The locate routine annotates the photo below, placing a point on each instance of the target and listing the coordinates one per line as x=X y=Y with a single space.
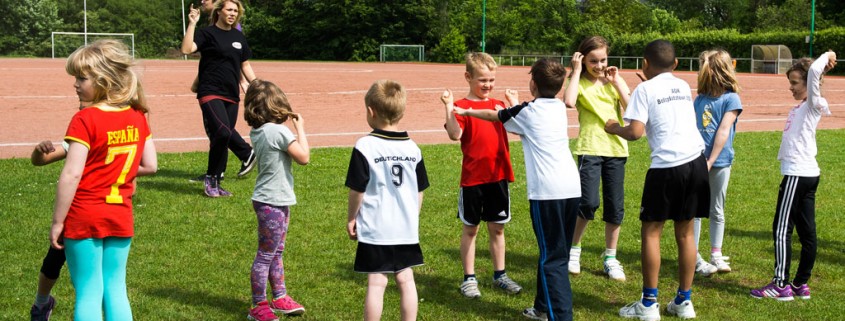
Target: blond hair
x=218 y=5
x=716 y=74
x=476 y=60
x=264 y=102
x=387 y=99
x=108 y=64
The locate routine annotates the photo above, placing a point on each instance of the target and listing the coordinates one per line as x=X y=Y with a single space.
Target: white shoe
x=574 y=261
x=614 y=270
x=683 y=310
x=640 y=311
x=721 y=263
x=469 y=288
x=705 y=269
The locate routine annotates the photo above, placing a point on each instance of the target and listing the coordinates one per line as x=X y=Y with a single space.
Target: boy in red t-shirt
x=485 y=173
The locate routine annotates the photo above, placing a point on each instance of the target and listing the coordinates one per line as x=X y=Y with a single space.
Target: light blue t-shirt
x=274 y=183
x=709 y=112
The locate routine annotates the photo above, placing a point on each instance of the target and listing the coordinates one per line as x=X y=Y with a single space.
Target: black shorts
x=677 y=193
x=485 y=202
x=371 y=258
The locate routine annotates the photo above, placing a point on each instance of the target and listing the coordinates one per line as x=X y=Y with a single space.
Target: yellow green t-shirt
x=596 y=104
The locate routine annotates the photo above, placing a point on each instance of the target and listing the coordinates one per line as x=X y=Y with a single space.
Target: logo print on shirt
x=790 y=117
x=237 y=45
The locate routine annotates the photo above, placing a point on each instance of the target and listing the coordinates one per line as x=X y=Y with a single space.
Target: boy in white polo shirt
x=676 y=185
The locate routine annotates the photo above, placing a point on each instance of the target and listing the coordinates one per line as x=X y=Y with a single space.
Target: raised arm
x=188 y=45
x=621 y=87
x=452 y=127
x=486 y=114
x=823 y=64
x=299 y=150
x=570 y=95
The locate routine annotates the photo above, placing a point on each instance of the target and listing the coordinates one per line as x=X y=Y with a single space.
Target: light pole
x=184 y=57
x=484 y=25
x=812 y=26
x=85 y=23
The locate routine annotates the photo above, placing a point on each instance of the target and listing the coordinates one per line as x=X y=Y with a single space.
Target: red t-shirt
x=487 y=157
x=102 y=205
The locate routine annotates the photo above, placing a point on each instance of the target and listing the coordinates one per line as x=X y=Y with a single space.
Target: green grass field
x=191 y=255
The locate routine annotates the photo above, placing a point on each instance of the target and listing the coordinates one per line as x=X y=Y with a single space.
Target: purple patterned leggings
x=272 y=231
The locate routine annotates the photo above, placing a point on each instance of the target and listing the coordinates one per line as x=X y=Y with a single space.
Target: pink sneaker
x=287 y=306
x=262 y=312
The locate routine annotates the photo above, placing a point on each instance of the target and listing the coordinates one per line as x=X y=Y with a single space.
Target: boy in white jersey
x=676 y=185
x=386 y=179
x=796 y=207
x=554 y=188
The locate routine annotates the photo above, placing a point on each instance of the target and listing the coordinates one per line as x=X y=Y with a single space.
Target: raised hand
x=612 y=73
x=576 y=62
x=512 y=97
x=194 y=14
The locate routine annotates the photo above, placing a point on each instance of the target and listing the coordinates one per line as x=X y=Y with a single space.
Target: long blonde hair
x=108 y=64
x=265 y=102
x=717 y=74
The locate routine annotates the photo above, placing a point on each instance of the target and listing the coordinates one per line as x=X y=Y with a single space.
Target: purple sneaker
x=222 y=192
x=772 y=291
x=42 y=313
x=211 y=186
x=802 y=291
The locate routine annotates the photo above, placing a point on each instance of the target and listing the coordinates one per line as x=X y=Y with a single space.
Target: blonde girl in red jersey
x=109 y=145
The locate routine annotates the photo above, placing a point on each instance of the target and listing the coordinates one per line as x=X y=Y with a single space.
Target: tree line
x=347 y=30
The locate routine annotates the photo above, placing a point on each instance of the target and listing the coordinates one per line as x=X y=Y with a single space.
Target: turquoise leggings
x=98 y=272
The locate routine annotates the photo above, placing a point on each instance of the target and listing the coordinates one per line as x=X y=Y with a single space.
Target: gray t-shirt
x=274 y=184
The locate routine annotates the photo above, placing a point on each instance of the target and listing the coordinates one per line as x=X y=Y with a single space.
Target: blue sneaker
x=773 y=291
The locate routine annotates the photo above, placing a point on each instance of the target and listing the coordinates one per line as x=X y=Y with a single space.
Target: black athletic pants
x=796 y=208
x=219 y=118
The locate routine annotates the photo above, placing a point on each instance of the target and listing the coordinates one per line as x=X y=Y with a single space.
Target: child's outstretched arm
x=486 y=114
x=355 y=200
x=452 y=127
x=570 y=95
x=632 y=132
x=621 y=87
x=299 y=149
x=45 y=153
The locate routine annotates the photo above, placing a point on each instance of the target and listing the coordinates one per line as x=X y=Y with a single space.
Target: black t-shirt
x=222 y=53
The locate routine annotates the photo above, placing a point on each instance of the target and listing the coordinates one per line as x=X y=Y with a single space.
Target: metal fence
x=623 y=62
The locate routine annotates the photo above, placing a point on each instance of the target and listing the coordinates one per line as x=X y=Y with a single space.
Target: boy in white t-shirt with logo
x=676 y=186
x=554 y=188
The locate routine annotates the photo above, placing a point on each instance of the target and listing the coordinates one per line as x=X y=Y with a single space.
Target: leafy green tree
x=27 y=26
x=791 y=15
x=451 y=48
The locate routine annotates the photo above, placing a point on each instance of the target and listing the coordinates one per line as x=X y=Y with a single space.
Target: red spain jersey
x=487 y=157
x=102 y=205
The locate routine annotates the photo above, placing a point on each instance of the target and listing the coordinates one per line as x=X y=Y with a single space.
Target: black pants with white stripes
x=796 y=209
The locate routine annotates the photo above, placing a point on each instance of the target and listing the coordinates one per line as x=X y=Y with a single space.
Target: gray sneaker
x=470 y=288
x=505 y=283
x=533 y=314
